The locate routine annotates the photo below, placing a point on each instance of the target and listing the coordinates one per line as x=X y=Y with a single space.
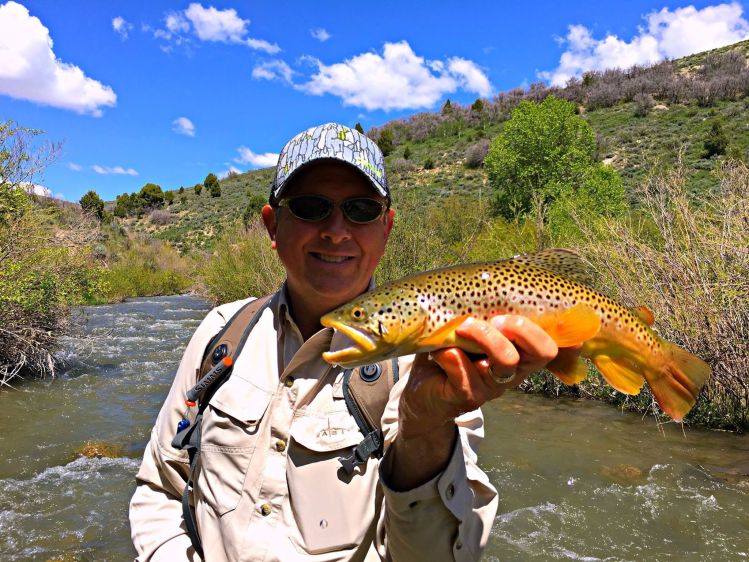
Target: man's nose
x=336 y=228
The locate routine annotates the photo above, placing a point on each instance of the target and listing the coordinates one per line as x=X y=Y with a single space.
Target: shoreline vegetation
x=670 y=232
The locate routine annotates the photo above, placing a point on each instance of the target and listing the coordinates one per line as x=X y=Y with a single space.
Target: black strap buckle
x=370 y=446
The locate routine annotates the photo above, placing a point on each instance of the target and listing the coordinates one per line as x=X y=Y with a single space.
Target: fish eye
x=358 y=313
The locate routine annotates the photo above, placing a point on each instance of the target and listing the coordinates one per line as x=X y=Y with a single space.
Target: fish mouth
x=354 y=355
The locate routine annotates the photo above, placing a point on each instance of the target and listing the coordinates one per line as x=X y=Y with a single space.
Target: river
x=578 y=480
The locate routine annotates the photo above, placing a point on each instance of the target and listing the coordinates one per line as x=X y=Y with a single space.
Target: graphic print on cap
x=332 y=141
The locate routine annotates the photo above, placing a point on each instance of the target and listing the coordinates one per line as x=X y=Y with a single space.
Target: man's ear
x=389 y=214
x=271 y=223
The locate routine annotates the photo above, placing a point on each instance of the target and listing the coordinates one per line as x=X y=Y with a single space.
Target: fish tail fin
x=571 y=327
x=678 y=382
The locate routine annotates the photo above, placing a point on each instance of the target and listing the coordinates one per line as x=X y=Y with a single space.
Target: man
x=269 y=484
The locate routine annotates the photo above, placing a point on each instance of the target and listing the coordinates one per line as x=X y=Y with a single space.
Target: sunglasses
x=315 y=208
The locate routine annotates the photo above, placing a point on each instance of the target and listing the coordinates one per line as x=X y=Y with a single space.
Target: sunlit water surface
x=578 y=480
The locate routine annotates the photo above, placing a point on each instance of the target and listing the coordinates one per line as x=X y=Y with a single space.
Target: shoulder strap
x=366 y=391
x=214 y=370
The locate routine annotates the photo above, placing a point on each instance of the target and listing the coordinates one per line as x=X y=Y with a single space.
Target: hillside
x=678 y=103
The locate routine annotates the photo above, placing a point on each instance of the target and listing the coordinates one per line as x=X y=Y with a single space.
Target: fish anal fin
x=644 y=314
x=568 y=367
x=571 y=327
x=619 y=374
x=444 y=336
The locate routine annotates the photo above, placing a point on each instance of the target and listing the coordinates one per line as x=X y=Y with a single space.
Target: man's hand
x=448 y=383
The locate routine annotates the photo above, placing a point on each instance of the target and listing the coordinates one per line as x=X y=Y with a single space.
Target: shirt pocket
x=333 y=509
x=228 y=441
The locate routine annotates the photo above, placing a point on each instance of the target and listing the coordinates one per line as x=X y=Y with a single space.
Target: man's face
x=331 y=261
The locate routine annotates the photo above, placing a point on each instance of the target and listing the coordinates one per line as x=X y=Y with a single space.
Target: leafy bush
x=716 y=142
x=242 y=265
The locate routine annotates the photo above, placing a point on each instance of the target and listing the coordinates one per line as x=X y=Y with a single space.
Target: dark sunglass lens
x=362 y=209
x=309 y=207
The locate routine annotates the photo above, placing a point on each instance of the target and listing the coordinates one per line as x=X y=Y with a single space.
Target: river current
x=578 y=480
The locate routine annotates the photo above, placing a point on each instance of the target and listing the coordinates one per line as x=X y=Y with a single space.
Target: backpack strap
x=366 y=391
x=218 y=360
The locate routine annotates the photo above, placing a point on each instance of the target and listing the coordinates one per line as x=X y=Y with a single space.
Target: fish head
x=380 y=324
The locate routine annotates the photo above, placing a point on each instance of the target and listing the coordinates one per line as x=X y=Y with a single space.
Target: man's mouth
x=328 y=258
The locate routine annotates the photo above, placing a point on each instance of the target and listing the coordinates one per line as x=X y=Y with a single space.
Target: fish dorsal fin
x=644 y=314
x=560 y=261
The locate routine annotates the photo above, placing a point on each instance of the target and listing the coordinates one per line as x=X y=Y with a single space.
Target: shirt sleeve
x=157 y=528
x=447 y=518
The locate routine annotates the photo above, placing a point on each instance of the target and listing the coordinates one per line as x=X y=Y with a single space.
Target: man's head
x=329 y=215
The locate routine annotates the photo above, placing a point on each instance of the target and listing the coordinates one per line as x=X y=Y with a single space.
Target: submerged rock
x=99 y=449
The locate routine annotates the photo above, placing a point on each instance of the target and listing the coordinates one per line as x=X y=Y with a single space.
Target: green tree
x=181 y=189
x=169 y=197
x=385 y=141
x=544 y=151
x=716 y=142
x=150 y=195
x=124 y=205
x=447 y=108
x=255 y=205
x=478 y=106
x=92 y=203
x=212 y=185
x=198 y=188
x=359 y=128
x=407 y=153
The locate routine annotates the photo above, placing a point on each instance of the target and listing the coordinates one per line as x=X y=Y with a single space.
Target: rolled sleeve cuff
x=451 y=486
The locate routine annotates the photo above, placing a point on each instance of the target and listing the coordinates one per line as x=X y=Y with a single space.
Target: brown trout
x=420 y=313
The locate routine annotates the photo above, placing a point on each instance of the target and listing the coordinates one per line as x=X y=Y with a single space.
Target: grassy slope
x=633 y=145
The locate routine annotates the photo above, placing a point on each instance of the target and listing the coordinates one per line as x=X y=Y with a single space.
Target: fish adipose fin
x=644 y=314
x=678 y=382
x=571 y=327
x=619 y=375
x=568 y=368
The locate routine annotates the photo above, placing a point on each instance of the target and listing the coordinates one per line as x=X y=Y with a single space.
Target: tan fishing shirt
x=270 y=486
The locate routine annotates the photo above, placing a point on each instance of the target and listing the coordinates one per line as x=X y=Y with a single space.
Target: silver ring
x=500 y=379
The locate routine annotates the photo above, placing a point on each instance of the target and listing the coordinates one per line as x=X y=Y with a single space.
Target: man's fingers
x=528 y=336
x=499 y=350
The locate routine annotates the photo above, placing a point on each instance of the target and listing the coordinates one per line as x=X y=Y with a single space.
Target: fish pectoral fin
x=568 y=367
x=644 y=314
x=444 y=336
x=618 y=374
x=405 y=333
x=571 y=327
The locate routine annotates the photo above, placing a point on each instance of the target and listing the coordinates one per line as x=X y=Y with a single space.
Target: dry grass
x=689 y=261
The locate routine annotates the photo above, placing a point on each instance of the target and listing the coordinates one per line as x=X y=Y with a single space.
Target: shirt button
x=280 y=445
x=289 y=382
x=450 y=492
x=265 y=509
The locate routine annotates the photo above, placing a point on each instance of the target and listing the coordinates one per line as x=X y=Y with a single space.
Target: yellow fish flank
x=420 y=313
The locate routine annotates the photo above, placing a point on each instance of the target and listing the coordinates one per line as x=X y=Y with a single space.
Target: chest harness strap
x=366 y=391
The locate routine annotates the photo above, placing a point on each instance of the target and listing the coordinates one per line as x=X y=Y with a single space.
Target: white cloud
x=183 y=126
x=75 y=167
x=247 y=156
x=209 y=24
x=30 y=70
x=114 y=170
x=667 y=34
x=121 y=26
x=231 y=169
x=273 y=70
x=41 y=190
x=321 y=34
x=397 y=79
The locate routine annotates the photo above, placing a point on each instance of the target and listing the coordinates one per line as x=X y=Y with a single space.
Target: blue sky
x=169 y=91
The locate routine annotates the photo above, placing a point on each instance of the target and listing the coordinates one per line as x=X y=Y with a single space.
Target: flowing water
x=578 y=480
